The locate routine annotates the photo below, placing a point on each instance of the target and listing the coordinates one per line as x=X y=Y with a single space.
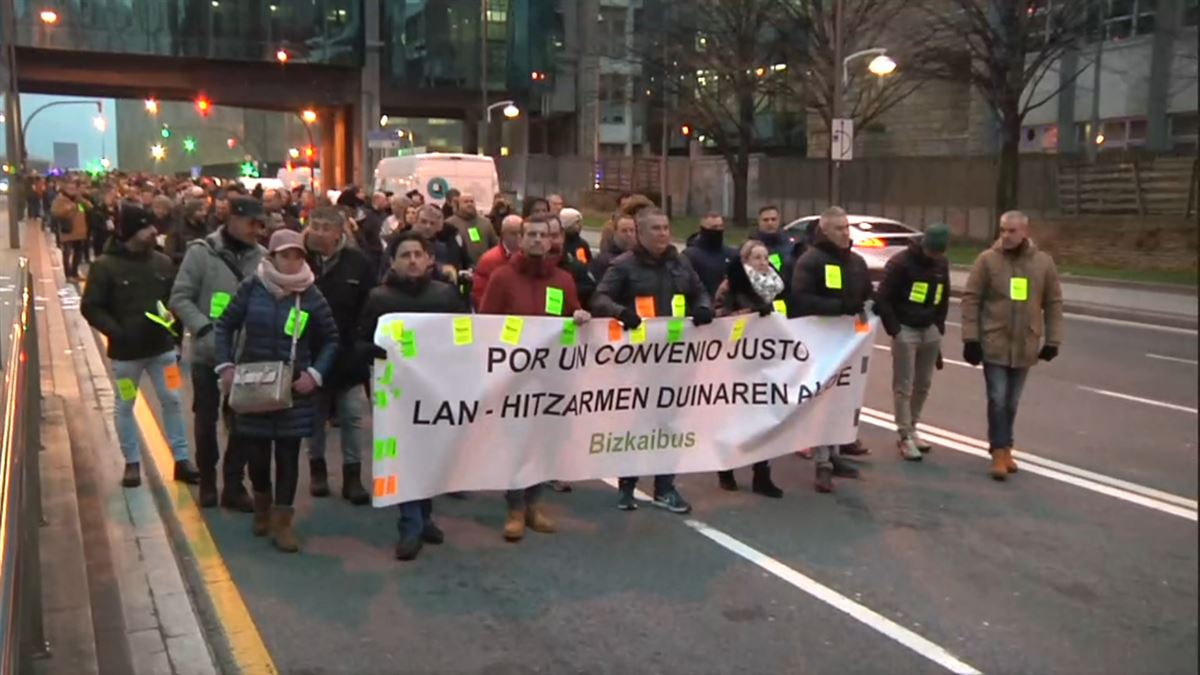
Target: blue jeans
x=1004 y=385
x=128 y=376
x=414 y=516
x=663 y=483
x=352 y=408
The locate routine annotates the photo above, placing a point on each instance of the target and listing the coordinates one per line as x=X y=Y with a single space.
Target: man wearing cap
x=212 y=269
x=125 y=299
x=912 y=301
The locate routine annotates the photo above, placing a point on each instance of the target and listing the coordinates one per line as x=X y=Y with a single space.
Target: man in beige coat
x=1011 y=318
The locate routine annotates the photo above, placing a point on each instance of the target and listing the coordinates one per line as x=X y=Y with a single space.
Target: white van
x=433 y=174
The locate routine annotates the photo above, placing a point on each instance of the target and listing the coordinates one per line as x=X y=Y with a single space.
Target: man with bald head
x=1011 y=318
x=830 y=280
x=497 y=256
x=474 y=229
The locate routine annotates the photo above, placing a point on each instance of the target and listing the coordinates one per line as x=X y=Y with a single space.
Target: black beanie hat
x=132 y=219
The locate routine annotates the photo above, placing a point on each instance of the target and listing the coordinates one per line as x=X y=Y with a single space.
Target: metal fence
x=22 y=635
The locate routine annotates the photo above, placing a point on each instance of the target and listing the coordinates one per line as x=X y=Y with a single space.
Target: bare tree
x=1004 y=49
x=725 y=62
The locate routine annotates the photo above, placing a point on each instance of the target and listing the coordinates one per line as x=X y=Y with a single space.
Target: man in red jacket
x=496 y=257
x=531 y=284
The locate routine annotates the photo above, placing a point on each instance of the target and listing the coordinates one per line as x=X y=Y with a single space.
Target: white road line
x=864 y=615
x=1138 y=399
x=1133 y=324
x=1061 y=476
x=1052 y=464
x=1176 y=359
x=825 y=594
x=952 y=362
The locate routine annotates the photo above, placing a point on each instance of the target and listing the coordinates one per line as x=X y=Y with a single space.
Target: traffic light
x=189 y=144
x=249 y=170
x=538 y=76
x=231 y=143
x=203 y=106
x=165 y=132
x=310 y=154
x=686 y=130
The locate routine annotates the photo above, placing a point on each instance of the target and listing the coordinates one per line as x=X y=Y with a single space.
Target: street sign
x=386 y=140
x=842 y=140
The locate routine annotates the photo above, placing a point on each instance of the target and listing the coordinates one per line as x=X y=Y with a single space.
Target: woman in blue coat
x=261 y=319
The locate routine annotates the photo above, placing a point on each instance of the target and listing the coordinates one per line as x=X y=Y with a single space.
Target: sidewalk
x=115 y=599
x=1143 y=303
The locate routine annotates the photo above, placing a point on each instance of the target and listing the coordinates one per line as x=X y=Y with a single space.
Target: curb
x=1151 y=319
x=1101 y=282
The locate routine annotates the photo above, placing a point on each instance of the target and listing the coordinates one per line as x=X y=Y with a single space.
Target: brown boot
x=999 y=470
x=281 y=529
x=537 y=520
x=262 y=513
x=1009 y=462
x=514 y=527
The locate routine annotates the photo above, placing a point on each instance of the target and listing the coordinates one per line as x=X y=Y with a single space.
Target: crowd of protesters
x=251 y=276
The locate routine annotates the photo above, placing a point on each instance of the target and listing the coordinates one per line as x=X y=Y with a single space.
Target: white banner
x=477 y=402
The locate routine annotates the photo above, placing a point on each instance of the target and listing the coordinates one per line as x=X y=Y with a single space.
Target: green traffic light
x=166 y=133
x=189 y=144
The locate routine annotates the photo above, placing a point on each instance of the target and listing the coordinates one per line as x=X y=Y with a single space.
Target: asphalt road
x=1035 y=575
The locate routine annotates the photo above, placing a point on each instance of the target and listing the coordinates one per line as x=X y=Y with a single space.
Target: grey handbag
x=264 y=386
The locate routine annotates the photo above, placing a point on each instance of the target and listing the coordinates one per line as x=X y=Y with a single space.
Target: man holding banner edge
x=651 y=280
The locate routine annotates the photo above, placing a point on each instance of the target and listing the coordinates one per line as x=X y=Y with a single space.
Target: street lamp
x=383 y=120
x=510 y=110
x=308 y=116
x=151 y=106
x=881 y=65
x=158 y=152
x=48 y=16
x=99 y=122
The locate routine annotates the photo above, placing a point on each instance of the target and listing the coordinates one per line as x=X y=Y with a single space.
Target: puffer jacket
x=578 y=247
x=915 y=291
x=818 y=289
x=260 y=319
x=637 y=274
x=204 y=272
x=1012 y=331
x=345 y=279
x=585 y=282
x=122 y=286
x=710 y=257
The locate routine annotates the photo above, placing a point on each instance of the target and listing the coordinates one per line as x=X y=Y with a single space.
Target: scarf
x=281 y=285
x=768 y=286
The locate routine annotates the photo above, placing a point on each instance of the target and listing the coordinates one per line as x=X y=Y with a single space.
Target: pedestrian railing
x=22 y=636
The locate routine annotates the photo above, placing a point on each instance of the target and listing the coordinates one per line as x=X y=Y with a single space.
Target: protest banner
x=478 y=402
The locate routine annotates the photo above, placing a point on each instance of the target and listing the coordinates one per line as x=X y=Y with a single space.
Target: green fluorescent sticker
x=127 y=388
x=554 y=301
x=678 y=305
x=675 y=330
x=473 y=233
x=570 y=333
x=219 y=303
x=919 y=292
x=776 y=261
x=408 y=345
x=294 y=324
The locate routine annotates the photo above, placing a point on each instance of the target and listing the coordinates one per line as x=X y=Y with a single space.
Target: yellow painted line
x=249 y=652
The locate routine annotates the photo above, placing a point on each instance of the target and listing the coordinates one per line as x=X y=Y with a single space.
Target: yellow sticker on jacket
x=780 y=306
x=833 y=277
x=678 y=305
x=1018 y=289
x=937 y=295
x=919 y=292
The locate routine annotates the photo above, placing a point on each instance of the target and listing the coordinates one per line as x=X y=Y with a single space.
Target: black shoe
x=626 y=502
x=318 y=478
x=352 y=489
x=763 y=485
x=726 y=480
x=855 y=449
x=673 y=502
x=824 y=480
x=408 y=548
x=235 y=498
x=842 y=469
x=207 y=495
x=432 y=534
x=133 y=475
x=186 y=472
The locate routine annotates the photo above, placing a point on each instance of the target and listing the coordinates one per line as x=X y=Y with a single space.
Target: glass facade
x=316 y=31
x=439 y=43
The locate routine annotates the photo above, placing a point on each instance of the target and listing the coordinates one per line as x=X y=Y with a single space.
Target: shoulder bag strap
x=295 y=331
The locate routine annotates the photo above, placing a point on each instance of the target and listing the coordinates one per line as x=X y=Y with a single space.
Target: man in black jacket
x=585 y=283
x=830 y=280
x=781 y=248
x=652 y=280
x=344 y=276
x=708 y=253
x=125 y=299
x=624 y=238
x=912 y=301
x=409 y=288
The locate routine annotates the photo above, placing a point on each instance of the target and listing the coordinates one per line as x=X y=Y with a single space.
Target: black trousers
x=287 y=466
x=73 y=255
x=206 y=405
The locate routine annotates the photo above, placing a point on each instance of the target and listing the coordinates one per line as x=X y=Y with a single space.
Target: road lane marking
x=864 y=615
x=1052 y=464
x=952 y=362
x=1176 y=359
x=1055 y=474
x=1138 y=399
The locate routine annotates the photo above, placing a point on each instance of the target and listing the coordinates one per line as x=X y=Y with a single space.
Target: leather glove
x=378 y=353
x=973 y=352
x=939 y=364
x=852 y=307
x=766 y=310
x=629 y=319
x=1048 y=353
x=702 y=316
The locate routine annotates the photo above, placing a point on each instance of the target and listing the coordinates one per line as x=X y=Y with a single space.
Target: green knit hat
x=937 y=238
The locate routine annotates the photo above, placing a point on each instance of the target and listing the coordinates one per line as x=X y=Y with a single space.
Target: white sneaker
x=921 y=444
x=908 y=450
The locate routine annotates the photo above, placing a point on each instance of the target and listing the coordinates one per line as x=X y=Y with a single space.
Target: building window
x=1185 y=130
x=1126 y=18
x=612 y=31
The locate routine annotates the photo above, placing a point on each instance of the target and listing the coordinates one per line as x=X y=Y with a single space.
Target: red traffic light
x=309 y=152
x=281 y=56
x=538 y=76
x=203 y=106
x=231 y=143
x=686 y=130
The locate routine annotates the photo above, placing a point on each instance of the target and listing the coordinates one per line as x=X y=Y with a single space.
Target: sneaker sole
x=623 y=507
x=672 y=509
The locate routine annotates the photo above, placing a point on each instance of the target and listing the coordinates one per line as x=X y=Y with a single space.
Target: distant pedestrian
x=708 y=253
x=474 y=230
x=1012 y=316
x=497 y=257
x=575 y=243
x=912 y=302
x=782 y=248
